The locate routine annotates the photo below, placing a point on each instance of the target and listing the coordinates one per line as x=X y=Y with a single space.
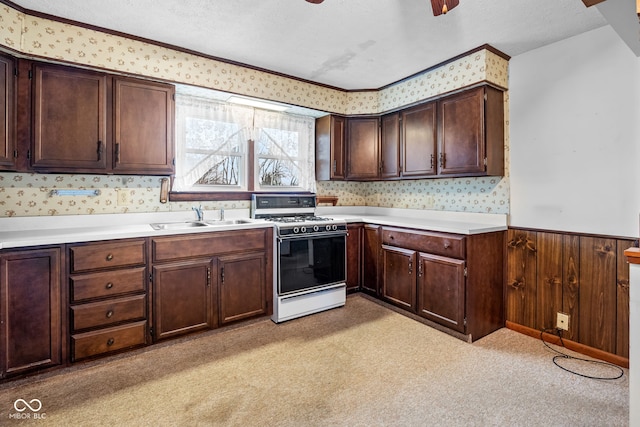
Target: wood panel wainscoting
x=583 y=275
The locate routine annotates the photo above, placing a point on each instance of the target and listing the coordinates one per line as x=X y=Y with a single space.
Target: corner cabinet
x=87 y=121
x=31 y=313
x=8 y=108
x=450 y=279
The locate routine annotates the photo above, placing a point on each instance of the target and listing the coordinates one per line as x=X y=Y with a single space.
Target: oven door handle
x=307 y=236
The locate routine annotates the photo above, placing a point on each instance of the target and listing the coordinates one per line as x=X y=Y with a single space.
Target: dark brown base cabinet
x=31 y=313
x=201 y=281
x=354 y=237
x=107 y=297
x=182 y=297
x=450 y=279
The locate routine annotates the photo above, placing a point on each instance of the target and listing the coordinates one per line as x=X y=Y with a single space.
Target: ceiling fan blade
x=315 y=1
x=439 y=6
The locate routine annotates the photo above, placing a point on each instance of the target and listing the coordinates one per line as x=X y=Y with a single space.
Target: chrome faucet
x=199 y=212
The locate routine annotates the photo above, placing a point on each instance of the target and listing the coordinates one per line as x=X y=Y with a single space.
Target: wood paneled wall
x=584 y=276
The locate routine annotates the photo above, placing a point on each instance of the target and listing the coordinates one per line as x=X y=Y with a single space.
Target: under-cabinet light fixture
x=256 y=103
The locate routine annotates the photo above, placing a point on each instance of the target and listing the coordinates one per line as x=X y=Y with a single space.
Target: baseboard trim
x=571 y=345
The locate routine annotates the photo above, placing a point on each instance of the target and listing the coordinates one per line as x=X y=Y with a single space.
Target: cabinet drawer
x=208 y=244
x=449 y=245
x=108 y=312
x=106 y=255
x=108 y=283
x=107 y=340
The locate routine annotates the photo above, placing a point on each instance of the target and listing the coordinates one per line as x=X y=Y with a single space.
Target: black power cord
x=560 y=355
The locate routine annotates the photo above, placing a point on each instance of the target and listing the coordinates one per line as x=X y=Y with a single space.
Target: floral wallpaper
x=24 y=194
x=482 y=195
x=44 y=38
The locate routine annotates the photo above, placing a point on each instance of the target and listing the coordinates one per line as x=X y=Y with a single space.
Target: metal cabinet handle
x=432 y=161
x=110 y=342
x=109 y=314
x=410 y=267
x=109 y=285
x=99 y=150
x=109 y=257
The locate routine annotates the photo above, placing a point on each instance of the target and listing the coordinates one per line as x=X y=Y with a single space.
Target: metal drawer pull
x=109 y=285
x=109 y=257
x=447 y=245
x=109 y=314
x=110 y=342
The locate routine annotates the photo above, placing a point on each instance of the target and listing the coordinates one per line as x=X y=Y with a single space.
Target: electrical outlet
x=124 y=197
x=562 y=321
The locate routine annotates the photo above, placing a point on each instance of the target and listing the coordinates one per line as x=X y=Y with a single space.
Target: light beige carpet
x=361 y=365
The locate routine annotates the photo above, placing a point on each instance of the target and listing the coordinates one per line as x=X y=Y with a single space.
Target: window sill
x=219 y=196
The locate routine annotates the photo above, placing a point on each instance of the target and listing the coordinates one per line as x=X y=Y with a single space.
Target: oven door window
x=311 y=262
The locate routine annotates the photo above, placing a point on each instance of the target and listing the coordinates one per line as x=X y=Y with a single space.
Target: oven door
x=309 y=262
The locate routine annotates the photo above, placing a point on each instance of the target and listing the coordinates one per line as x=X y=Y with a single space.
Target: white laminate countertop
x=442 y=221
x=50 y=230
x=19 y=232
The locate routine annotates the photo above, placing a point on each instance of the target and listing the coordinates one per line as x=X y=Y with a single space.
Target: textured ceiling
x=348 y=44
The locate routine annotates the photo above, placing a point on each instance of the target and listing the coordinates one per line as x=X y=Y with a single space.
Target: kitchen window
x=226 y=148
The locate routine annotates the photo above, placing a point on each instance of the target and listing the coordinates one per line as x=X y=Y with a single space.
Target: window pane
x=278 y=142
x=212 y=135
x=278 y=172
x=225 y=171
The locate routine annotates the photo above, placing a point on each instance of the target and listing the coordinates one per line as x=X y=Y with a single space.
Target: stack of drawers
x=108 y=297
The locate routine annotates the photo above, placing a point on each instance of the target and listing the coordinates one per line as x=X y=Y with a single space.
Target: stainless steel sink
x=178 y=225
x=228 y=222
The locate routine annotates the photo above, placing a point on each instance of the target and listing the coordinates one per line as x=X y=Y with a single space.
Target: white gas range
x=311 y=255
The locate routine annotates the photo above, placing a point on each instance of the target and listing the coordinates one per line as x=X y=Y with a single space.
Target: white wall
x=575 y=136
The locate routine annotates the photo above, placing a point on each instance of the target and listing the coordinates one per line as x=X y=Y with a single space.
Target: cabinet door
x=370 y=258
x=353 y=256
x=242 y=287
x=7 y=112
x=419 y=141
x=462 y=143
x=330 y=137
x=69 y=124
x=182 y=297
x=441 y=286
x=390 y=146
x=363 y=151
x=143 y=136
x=30 y=311
x=399 y=276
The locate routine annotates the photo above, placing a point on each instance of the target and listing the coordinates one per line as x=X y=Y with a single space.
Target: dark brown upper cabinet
x=330 y=150
x=363 y=149
x=91 y=122
x=419 y=141
x=143 y=127
x=8 y=112
x=69 y=119
x=457 y=135
x=471 y=133
x=390 y=146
